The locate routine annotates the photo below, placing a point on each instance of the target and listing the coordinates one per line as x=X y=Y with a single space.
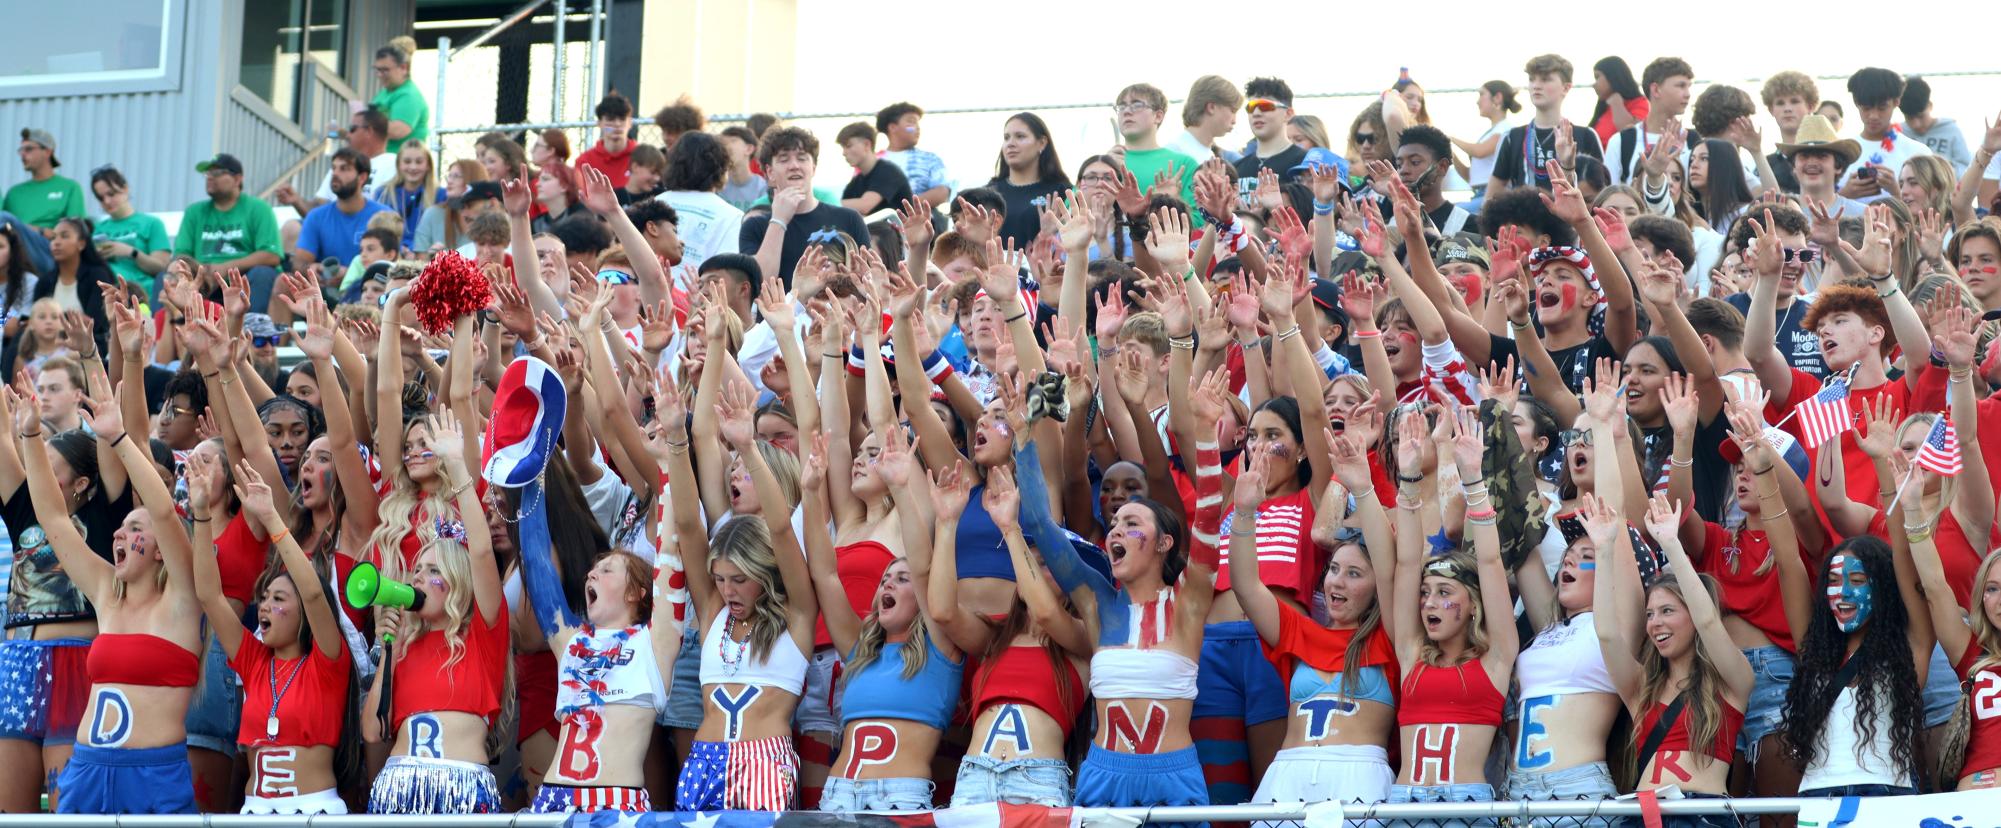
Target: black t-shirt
x=1799 y=346
x=1711 y=476
x=1575 y=363
x=1782 y=172
x=822 y=217
x=1514 y=158
x=627 y=198
x=1282 y=163
x=884 y=179
x=1024 y=205
x=38 y=591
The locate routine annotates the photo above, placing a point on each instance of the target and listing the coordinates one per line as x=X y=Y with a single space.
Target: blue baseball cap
x=1322 y=157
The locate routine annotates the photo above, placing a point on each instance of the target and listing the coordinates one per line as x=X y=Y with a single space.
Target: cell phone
x=1867 y=173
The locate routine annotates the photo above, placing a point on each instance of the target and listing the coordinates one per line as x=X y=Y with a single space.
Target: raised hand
x=1111 y=312
x=80 y=332
x=252 y=492
x=1766 y=261
x=1210 y=400
x=949 y=491
x=1604 y=393
x=1351 y=462
x=105 y=418
x=734 y=407
x=1365 y=421
x=319 y=339
x=1002 y=500
x=1931 y=235
x=1601 y=522
x=201 y=477
x=1612 y=226
x=1566 y=148
x=1468 y=442
x=1269 y=196
x=1498 y=383
x=1564 y=200
x=813 y=463
x=1076 y=224
x=1681 y=403
x=1359 y=297
x=1168 y=239
x=1127 y=194
x=1325 y=180
x=1663 y=518
x=914 y=219
x=896 y=463
x=448 y=441
x=1294 y=240
x=1878 y=438
x=1250 y=488
x=600 y=196
x=1414 y=446
x=1955 y=332
x=1131 y=376
x=515 y=198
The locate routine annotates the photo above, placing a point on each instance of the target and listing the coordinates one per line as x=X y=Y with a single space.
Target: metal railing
x=1279 y=816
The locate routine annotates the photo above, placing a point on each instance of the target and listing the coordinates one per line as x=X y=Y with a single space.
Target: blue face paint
x=1587 y=566
x=1840 y=591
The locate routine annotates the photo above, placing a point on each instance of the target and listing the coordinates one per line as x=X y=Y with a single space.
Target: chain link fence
x=968 y=139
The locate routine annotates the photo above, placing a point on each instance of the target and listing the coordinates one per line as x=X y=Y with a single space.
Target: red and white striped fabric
x=1940 y=452
x=762 y=774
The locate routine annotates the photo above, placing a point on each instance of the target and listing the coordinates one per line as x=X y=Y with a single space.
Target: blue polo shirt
x=327 y=231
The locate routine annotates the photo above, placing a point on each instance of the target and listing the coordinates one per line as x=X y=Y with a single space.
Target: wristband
x=1322 y=208
x=1376 y=334
x=121 y=438
x=780 y=222
x=1187 y=344
x=1016 y=318
x=1681 y=464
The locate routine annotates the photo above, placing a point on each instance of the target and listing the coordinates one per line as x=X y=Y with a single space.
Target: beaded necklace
x=732 y=661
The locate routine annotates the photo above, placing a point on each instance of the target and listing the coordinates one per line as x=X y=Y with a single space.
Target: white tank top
x=1836 y=764
x=1142 y=674
x=593 y=672
x=727 y=662
x=1564 y=659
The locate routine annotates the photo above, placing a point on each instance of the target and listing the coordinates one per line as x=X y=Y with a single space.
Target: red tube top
x=141 y=660
x=1024 y=674
x=1450 y=695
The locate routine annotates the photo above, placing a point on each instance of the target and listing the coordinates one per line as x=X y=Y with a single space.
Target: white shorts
x=317 y=802
x=1349 y=773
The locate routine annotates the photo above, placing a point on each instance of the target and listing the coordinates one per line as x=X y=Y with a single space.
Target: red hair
x=1851 y=298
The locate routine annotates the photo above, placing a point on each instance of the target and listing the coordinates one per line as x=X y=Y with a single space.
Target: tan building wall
x=733 y=56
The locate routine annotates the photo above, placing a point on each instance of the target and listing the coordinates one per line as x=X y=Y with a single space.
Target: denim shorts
x=1402 y=794
x=1841 y=791
x=819 y=711
x=216 y=712
x=842 y=795
x=1585 y=782
x=1941 y=689
x=1772 y=672
x=1015 y=781
x=684 y=698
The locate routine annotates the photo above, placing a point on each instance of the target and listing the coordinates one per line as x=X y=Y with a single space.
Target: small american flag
x=1940 y=453
x=1826 y=415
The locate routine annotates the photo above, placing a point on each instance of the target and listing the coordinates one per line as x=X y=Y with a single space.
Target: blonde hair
x=1934 y=174
x=406 y=504
x=430 y=186
x=456 y=566
x=746 y=542
x=868 y=646
x=1429 y=653
x=1312 y=127
x=1985 y=633
x=1209 y=89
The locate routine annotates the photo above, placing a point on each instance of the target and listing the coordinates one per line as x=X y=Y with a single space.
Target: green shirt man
x=214 y=236
x=45 y=202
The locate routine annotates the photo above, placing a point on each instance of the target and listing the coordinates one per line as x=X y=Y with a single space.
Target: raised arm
x=934 y=561
x=1973 y=493
x=90 y=572
x=1761 y=321
x=1504 y=642
x=321 y=342
x=1795 y=585
x=1712 y=636
x=1253 y=595
x=449 y=442
x=1289 y=354
x=843 y=623
x=1408 y=631
x=1607 y=528
x=389 y=388
x=1003 y=503
x=802 y=606
x=1622 y=326
x=514 y=196
x=222 y=618
x=601 y=198
x=691 y=533
x=255 y=495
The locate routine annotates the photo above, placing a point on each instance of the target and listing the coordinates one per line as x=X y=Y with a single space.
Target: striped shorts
x=565 y=799
x=749 y=775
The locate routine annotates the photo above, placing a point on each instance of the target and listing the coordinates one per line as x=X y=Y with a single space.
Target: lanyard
x=277 y=695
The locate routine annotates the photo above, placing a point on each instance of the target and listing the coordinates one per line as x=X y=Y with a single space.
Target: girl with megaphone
x=449 y=640
x=294 y=681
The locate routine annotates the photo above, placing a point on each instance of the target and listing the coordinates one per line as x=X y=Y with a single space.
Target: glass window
x=274 y=34
x=116 y=40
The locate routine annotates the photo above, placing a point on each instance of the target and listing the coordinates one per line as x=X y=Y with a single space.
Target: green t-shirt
x=406 y=104
x=146 y=233
x=212 y=236
x=43 y=203
x=1145 y=164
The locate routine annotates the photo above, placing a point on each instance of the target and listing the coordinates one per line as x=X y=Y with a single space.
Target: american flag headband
x=1542 y=256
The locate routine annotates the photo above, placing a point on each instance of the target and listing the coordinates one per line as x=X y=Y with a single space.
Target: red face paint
x=1569 y=296
x=1470 y=287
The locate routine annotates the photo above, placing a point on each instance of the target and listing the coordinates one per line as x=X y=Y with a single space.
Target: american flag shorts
x=564 y=799
x=748 y=775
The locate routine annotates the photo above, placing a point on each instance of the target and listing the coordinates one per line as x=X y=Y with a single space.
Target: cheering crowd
x=661 y=479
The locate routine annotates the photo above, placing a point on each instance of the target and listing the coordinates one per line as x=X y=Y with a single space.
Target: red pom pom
x=451 y=287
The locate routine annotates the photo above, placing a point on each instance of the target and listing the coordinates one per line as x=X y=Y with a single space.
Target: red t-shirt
x=1287 y=556
x=1958 y=554
x=241 y=558
x=1856 y=465
x=1983 y=744
x=618 y=167
x=312 y=695
x=424 y=683
x=1300 y=641
x=1746 y=594
x=1606 y=127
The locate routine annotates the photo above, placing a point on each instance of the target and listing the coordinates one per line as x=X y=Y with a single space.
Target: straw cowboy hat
x=1816 y=133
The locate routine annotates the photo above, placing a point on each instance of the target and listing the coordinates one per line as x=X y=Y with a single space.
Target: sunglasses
x=615 y=277
x=1257 y=105
x=1576 y=437
x=266 y=341
x=1365 y=138
x=1803 y=255
x=174 y=412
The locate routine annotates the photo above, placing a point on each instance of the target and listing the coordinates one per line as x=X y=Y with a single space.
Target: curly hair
x=1890 y=687
x=1847 y=298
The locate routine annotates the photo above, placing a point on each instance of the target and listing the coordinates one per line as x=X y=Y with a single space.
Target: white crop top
x=731 y=663
x=1836 y=764
x=1564 y=659
x=592 y=672
x=1140 y=674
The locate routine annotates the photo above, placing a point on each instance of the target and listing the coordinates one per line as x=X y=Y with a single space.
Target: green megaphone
x=367 y=588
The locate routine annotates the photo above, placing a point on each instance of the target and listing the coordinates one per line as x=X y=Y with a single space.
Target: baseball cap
x=222 y=161
x=258 y=324
x=48 y=141
x=1460 y=247
x=378 y=272
x=1322 y=157
x=479 y=191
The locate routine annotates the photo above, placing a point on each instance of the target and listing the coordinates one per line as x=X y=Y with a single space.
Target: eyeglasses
x=266 y=341
x=1803 y=255
x=1365 y=138
x=1131 y=106
x=1257 y=105
x=1576 y=437
x=1100 y=178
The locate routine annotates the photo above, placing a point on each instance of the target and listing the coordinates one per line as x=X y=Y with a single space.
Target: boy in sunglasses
x=1269 y=103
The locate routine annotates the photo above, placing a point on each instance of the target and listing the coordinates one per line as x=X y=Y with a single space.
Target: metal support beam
x=593 y=79
x=438 y=112
x=557 y=109
x=501 y=25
